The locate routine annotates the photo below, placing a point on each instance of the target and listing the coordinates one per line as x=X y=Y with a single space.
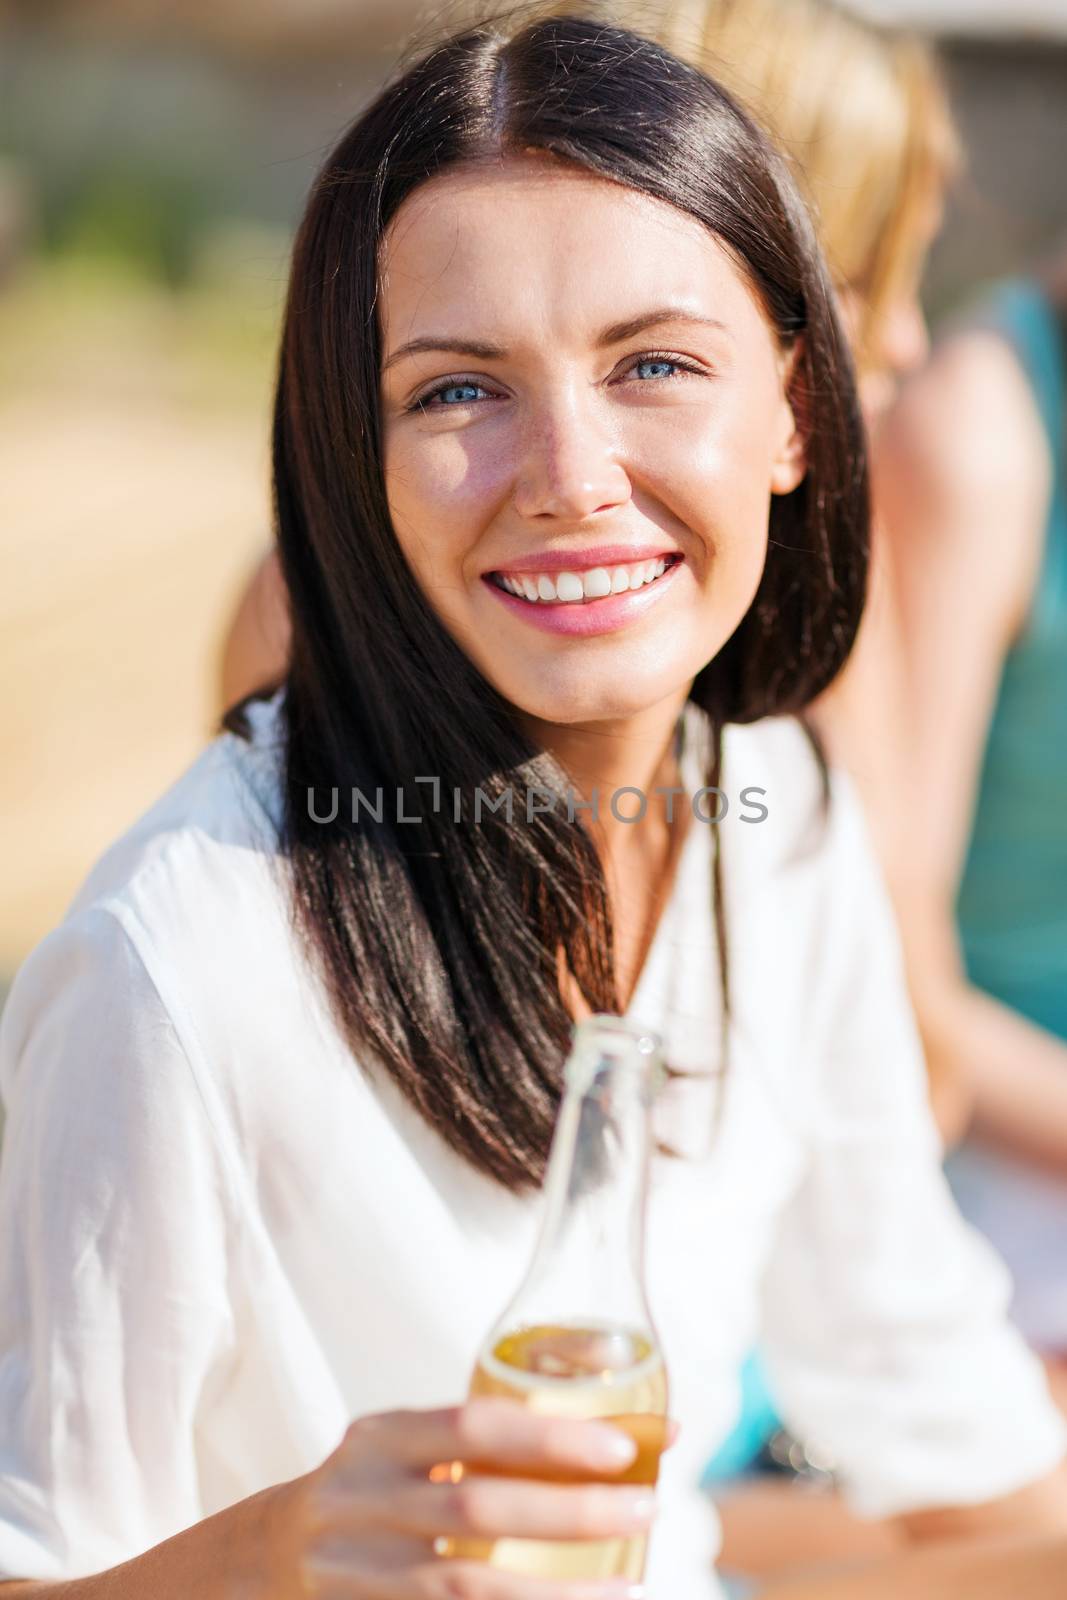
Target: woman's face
x=585 y=417
x=898 y=338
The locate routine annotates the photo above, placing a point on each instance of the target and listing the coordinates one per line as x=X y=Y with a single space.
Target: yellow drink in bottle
x=578 y=1340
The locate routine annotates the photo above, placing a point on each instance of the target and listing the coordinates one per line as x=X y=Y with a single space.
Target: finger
x=475 y=1581
x=497 y=1508
x=649 y=1434
x=470 y=1580
x=486 y=1431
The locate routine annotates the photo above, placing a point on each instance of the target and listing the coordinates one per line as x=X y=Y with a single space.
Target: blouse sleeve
x=887 y=1338
x=113 y=1260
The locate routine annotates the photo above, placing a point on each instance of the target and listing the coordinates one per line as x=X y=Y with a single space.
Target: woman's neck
x=639 y=856
x=634 y=753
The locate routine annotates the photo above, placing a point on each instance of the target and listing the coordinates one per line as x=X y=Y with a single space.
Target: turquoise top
x=1012 y=903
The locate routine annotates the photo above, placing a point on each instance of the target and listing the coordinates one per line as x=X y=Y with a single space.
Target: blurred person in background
x=973 y=494
x=255 y=651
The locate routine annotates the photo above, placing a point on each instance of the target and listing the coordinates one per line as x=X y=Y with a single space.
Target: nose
x=569 y=466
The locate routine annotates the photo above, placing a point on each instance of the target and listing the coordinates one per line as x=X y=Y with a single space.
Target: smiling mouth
x=579 y=588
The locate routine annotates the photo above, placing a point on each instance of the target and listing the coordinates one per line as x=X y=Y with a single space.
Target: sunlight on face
x=585 y=418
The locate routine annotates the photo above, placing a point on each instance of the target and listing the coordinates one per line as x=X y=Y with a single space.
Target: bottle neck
x=589 y=1261
x=597 y=1181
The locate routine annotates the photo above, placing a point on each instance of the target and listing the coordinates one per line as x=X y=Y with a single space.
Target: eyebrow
x=479 y=350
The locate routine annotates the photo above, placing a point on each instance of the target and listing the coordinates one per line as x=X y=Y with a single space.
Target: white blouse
x=221 y=1238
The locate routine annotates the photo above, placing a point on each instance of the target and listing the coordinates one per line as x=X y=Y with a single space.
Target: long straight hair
x=439 y=943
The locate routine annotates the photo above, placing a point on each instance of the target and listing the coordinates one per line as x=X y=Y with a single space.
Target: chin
x=579 y=703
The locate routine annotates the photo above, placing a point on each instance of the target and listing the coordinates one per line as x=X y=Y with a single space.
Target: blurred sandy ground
x=133 y=465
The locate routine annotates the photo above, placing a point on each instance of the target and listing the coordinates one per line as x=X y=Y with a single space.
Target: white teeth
x=596 y=584
x=569 y=588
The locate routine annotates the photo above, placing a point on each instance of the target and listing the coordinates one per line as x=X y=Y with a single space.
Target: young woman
x=976 y=508
x=571 y=497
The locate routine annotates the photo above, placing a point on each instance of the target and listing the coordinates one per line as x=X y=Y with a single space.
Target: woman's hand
x=364 y=1525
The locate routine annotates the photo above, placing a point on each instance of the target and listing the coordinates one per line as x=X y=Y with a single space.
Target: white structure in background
x=1034 y=18
x=285 y=23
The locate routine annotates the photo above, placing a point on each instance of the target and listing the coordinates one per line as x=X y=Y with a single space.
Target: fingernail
x=610 y=1447
x=638 y=1508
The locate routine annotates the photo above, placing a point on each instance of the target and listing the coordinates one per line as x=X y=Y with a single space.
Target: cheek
x=440 y=491
x=709 y=466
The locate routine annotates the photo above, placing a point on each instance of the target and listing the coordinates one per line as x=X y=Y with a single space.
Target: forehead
x=531 y=242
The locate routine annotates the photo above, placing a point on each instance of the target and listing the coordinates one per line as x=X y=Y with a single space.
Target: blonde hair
x=859 y=109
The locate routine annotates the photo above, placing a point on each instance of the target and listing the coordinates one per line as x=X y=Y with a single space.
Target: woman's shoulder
x=193 y=890
x=777 y=796
x=800 y=872
x=220 y=819
x=794 y=842
x=780 y=755
x=180 y=940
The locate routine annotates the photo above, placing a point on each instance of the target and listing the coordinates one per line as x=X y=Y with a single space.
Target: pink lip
x=608 y=615
x=602 y=555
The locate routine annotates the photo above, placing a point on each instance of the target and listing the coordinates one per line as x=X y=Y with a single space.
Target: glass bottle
x=578 y=1339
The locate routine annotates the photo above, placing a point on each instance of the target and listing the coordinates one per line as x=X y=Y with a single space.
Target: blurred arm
x=962 y=486
x=991 y=1570
x=255 y=652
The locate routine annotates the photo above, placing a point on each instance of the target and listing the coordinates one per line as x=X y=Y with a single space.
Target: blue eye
x=460 y=393
x=661 y=367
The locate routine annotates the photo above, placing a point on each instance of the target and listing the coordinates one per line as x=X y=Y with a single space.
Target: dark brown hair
x=439 y=943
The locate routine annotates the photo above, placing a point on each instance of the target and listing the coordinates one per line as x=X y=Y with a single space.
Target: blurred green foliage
x=141 y=154
x=148 y=219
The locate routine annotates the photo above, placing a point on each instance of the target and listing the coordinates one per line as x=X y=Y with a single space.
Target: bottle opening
x=604 y=1355
x=606 y=1044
